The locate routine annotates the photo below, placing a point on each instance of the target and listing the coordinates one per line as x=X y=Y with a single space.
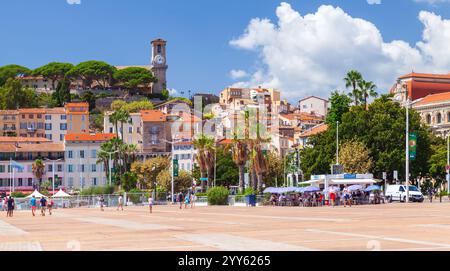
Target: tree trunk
x=260 y=183
x=202 y=183
x=241 y=178
x=254 y=180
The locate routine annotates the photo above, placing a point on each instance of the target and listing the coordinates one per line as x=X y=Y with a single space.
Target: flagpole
x=10 y=175
x=13 y=186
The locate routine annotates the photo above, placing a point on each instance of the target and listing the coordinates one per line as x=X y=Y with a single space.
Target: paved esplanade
x=382 y=227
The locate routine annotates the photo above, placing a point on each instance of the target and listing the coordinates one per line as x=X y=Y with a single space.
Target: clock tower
x=159 y=65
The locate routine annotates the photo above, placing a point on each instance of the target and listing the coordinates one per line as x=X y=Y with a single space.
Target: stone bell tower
x=159 y=65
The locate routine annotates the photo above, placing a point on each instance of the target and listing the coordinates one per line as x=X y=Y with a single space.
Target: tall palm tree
x=38 y=169
x=119 y=116
x=368 y=89
x=205 y=158
x=351 y=80
x=239 y=154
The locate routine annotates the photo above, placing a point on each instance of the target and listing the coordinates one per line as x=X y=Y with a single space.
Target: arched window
x=428 y=119
x=438 y=118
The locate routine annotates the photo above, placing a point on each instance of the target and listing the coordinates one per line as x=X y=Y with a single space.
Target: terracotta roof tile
x=5 y=139
x=89 y=137
x=434 y=98
x=152 y=116
x=425 y=75
x=315 y=130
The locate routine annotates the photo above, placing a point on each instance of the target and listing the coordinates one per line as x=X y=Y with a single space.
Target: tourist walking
x=332 y=198
x=120 y=203
x=150 y=203
x=430 y=194
x=50 y=206
x=102 y=201
x=43 y=202
x=187 y=201
x=193 y=198
x=33 y=205
x=5 y=204
x=180 y=200
x=10 y=204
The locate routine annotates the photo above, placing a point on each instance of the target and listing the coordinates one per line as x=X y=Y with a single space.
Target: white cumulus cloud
x=432 y=2
x=374 y=2
x=310 y=54
x=74 y=2
x=238 y=74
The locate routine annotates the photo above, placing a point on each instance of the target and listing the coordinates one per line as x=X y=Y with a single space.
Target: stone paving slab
x=378 y=227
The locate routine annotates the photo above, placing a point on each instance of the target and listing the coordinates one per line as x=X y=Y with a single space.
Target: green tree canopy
x=132 y=107
x=62 y=92
x=227 y=171
x=181 y=183
x=54 y=71
x=381 y=129
x=13 y=96
x=340 y=104
x=133 y=77
x=11 y=71
x=92 y=71
x=355 y=157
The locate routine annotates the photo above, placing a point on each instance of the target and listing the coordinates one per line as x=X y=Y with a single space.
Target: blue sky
x=200 y=56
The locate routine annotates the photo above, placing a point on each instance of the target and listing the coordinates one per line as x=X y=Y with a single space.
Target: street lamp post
x=407 y=149
x=448 y=163
x=171 y=164
x=110 y=167
x=337 y=143
x=53 y=171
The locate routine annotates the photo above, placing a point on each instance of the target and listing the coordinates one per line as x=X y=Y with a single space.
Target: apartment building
x=26 y=152
x=55 y=124
x=77 y=118
x=156 y=131
x=81 y=168
x=313 y=105
x=184 y=152
x=50 y=123
x=31 y=122
x=9 y=120
x=131 y=131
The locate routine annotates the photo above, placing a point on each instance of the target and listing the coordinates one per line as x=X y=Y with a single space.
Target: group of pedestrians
x=8 y=205
x=44 y=205
x=188 y=200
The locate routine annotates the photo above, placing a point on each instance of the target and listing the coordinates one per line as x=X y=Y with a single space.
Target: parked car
x=398 y=193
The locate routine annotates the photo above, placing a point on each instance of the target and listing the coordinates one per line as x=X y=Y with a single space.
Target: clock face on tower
x=159 y=59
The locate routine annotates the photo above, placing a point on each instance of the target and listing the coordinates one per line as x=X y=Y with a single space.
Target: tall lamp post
x=171 y=163
x=109 y=165
x=53 y=171
x=407 y=105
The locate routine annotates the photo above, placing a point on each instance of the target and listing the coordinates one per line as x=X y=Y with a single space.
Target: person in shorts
x=332 y=198
x=180 y=200
x=120 y=203
x=187 y=201
x=43 y=202
x=50 y=206
x=33 y=205
x=102 y=203
x=10 y=212
x=150 y=203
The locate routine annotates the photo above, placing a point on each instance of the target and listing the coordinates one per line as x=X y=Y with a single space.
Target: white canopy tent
x=61 y=194
x=36 y=194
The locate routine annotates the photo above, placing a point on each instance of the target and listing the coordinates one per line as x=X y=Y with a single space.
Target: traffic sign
x=204 y=179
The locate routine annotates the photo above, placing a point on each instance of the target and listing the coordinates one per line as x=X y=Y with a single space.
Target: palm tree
x=205 y=158
x=239 y=154
x=351 y=80
x=121 y=116
x=38 y=169
x=368 y=89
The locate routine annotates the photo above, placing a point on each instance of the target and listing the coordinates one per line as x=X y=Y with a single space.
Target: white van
x=398 y=192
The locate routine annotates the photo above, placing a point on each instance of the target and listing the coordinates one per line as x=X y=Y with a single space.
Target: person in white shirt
x=150 y=203
x=120 y=203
